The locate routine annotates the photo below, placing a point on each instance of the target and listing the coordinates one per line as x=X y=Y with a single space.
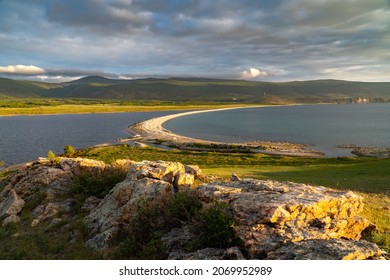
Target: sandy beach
x=153 y=130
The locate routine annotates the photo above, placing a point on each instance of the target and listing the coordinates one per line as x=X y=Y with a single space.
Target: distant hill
x=93 y=80
x=201 y=89
x=22 y=88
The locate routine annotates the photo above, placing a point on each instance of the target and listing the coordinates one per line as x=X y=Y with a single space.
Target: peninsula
x=152 y=131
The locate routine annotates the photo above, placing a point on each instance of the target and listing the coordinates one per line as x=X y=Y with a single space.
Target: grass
x=360 y=174
x=65 y=240
x=10 y=107
x=370 y=177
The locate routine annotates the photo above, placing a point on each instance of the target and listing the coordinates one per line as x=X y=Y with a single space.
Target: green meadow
x=10 y=107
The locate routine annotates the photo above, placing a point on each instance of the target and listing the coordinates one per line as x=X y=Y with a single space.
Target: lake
x=322 y=126
x=24 y=138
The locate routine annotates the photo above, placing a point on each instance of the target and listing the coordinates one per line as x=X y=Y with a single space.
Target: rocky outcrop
x=273 y=220
x=11 y=206
x=320 y=249
x=45 y=183
x=270 y=214
x=146 y=182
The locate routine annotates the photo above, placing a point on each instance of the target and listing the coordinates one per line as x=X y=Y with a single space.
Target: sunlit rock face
x=146 y=182
x=269 y=214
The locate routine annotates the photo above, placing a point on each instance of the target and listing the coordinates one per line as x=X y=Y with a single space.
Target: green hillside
x=23 y=88
x=200 y=90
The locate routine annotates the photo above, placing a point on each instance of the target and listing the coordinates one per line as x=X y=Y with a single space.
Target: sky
x=261 y=40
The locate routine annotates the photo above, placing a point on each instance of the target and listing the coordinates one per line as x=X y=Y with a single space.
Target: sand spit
x=152 y=131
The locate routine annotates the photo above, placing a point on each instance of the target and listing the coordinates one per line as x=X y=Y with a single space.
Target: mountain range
x=201 y=89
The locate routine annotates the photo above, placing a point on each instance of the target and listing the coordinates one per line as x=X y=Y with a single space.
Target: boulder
x=90 y=203
x=11 y=205
x=118 y=208
x=145 y=182
x=37 y=178
x=160 y=170
x=332 y=249
x=270 y=214
x=13 y=219
x=77 y=166
x=44 y=212
x=122 y=164
x=177 y=238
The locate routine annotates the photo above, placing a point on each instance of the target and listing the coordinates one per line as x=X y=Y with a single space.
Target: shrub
x=182 y=207
x=214 y=228
x=85 y=185
x=143 y=232
x=69 y=150
x=51 y=156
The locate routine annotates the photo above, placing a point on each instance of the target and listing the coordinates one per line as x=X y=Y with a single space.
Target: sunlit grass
x=11 y=107
x=362 y=174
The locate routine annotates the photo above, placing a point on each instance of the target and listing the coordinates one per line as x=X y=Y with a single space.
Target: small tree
x=51 y=155
x=69 y=151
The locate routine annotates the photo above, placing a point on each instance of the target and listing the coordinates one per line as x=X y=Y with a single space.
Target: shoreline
x=152 y=131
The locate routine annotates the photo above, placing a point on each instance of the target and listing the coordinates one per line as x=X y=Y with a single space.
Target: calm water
x=24 y=138
x=323 y=126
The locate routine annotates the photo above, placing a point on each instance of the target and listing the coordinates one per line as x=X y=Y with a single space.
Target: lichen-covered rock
x=332 y=249
x=160 y=170
x=177 y=238
x=13 y=219
x=194 y=170
x=90 y=203
x=11 y=205
x=269 y=214
x=46 y=182
x=122 y=164
x=39 y=177
x=120 y=205
x=78 y=166
x=145 y=182
x=208 y=254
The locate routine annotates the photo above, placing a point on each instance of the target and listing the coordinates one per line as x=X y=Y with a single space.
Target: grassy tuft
x=214 y=228
x=85 y=185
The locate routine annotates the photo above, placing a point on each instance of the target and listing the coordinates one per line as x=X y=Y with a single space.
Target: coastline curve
x=152 y=130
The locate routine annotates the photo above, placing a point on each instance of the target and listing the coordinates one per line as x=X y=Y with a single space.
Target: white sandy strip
x=153 y=129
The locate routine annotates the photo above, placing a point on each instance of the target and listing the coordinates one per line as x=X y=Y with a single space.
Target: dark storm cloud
x=275 y=40
x=99 y=16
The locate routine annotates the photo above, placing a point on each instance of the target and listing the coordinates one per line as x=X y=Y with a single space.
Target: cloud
x=27 y=70
x=56 y=79
x=218 y=38
x=253 y=73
